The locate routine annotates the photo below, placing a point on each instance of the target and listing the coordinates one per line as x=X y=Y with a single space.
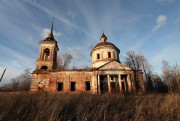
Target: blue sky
x=150 y=27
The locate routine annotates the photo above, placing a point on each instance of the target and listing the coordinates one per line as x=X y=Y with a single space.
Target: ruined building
x=107 y=73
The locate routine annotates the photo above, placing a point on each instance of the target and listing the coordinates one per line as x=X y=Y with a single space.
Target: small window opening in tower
x=60 y=86
x=88 y=86
x=73 y=86
x=98 y=56
x=44 y=68
x=46 y=54
x=109 y=54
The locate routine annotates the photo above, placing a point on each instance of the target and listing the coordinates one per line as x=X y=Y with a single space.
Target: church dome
x=105 y=44
x=104 y=52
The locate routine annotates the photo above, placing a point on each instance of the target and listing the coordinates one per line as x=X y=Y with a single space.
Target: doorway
x=103 y=84
x=114 y=83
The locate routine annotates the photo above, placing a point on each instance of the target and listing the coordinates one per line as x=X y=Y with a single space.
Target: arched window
x=44 y=68
x=46 y=54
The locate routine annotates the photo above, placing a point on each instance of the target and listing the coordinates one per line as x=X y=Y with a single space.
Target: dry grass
x=82 y=107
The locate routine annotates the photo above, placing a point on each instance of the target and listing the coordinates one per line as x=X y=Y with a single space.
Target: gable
x=114 y=65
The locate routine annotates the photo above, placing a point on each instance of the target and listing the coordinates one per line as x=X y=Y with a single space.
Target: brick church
x=107 y=74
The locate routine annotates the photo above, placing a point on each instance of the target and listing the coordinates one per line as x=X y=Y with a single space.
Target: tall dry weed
x=88 y=107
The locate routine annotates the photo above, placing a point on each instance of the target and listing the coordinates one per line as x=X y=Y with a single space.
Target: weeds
x=88 y=107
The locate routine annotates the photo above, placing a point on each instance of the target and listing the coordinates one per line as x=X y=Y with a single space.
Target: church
x=106 y=75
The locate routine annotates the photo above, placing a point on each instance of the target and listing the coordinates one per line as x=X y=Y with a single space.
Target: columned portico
x=109 y=83
x=125 y=83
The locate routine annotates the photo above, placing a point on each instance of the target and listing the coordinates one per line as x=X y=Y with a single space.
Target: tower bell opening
x=46 y=54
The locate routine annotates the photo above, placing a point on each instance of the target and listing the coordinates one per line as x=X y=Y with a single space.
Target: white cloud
x=164 y=2
x=46 y=31
x=161 y=21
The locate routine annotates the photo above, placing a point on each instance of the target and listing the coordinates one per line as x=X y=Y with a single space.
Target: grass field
x=89 y=107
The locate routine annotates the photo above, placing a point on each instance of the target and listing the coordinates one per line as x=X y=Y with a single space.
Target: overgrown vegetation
x=167 y=81
x=90 y=107
x=19 y=83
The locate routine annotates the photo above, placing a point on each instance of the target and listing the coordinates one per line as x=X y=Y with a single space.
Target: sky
x=149 y=27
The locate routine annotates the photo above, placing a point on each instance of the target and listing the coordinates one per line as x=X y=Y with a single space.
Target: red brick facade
x=106 y=75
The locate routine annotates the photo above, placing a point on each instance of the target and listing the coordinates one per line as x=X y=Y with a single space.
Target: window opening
x=46 y=54
x=44 y=68
x=60 y=86
x=88 y=86
x=109 y=54
x=73 y=86
x=98 y=56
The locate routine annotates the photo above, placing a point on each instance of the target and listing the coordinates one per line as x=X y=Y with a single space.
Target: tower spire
x=51 y=33
x=103 y=38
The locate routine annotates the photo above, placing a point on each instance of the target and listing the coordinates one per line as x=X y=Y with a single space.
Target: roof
x=50 y=40
x=104 y=44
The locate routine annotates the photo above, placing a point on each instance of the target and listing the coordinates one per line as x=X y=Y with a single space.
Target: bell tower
x=47 y=53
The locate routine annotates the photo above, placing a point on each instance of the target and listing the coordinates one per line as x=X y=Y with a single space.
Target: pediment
x=114 y=65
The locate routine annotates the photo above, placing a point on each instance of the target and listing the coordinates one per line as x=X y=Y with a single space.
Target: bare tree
x=19 y=83
x=146 y=67
x=131 y=62
x=166 y=74
x=176 y=73
x=139 y=62
x=171 y=75
x=63 y=61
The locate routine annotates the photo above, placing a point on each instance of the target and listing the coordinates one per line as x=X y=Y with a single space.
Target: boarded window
x=88 y=86
x=98 y=56
x=73 y=86
x=60 y=86
x=109 y=54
